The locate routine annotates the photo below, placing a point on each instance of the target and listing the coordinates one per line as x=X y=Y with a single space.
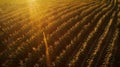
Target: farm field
x=59 y=33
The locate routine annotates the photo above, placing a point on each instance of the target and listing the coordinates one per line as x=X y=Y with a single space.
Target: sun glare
x=31 y=1
x=32 y=8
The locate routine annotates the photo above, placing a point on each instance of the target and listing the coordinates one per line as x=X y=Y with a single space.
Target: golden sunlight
x=59 y=33
x=32 y=5
x=32 y=0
